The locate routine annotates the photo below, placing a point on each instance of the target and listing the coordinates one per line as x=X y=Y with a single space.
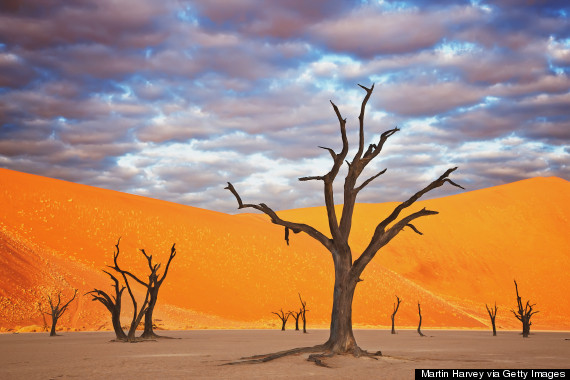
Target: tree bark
x=341 y=338
x=53 y=323
x=148 y=325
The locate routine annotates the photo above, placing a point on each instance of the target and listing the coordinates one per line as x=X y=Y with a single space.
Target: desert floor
x=201 y=354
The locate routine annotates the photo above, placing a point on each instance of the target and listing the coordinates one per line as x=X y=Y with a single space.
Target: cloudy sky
x=170 y=99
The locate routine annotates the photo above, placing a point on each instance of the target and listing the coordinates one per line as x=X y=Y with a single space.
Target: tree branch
x=296 y=227
x=361 y=122
x=435 y=184
x=384 y=238
x=365 y=183
x=413 y=228
x=332 y=152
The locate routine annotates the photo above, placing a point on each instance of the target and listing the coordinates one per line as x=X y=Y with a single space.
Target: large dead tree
x=492 y=315
x=57 y=310
x=348 y=271
x=153 y=285
x=524 y=314
x=396 y=307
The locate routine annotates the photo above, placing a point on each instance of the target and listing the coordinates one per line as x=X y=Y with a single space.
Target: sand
x=200 y=354
x=232 y=271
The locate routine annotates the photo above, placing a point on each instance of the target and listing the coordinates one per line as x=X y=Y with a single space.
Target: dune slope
x=231 y=271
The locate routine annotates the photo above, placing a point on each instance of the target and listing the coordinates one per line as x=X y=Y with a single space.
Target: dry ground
x=200 y=354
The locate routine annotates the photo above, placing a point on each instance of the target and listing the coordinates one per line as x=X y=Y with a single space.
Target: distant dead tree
x=153 y=285
x=284 y=317
x=396 y=307
x=43 y=314
x=304 y=313
x=492 y=315
x=347 y=270
x=57 y=310
x=296 y=315
x=114 y=304
x=420 y=324
x=524 y=314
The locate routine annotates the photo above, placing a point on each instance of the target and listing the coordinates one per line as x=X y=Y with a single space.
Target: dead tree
x=284 y=317
x=348 y=271
x=304 y=313
x=138 y=313
x=57 y=310
x=296 y=315
x=396 y=307
x=492 y=315
x=420 y=324
x=153 y=285
x=524 y=314
x=113 y=304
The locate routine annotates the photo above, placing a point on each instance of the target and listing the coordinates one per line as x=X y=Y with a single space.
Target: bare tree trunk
x=303 y=313
x=53 y=323
x=341 y=339
x=297 y=315
x=148 y=325
x=492 y=315
x=396 y=307
x=420 y=324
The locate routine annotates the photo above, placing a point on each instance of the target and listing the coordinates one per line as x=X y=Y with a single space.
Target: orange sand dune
x=231 y=271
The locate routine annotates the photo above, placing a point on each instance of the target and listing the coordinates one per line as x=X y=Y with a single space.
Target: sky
x=171 y=99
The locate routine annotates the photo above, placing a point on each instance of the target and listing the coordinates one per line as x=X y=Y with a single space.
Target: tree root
x=317 y=355
x=155 y=336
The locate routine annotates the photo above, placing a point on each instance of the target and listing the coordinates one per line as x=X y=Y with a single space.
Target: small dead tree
x=304 y=313
x=57 y=310
x=138 y=313
x=396 y=307
x=153 y=285
x=347 y=271
x=284 y=317
x=492 y=315
x=296 y=315
x=524 y=314
x=420 y=324
x=113 y=304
